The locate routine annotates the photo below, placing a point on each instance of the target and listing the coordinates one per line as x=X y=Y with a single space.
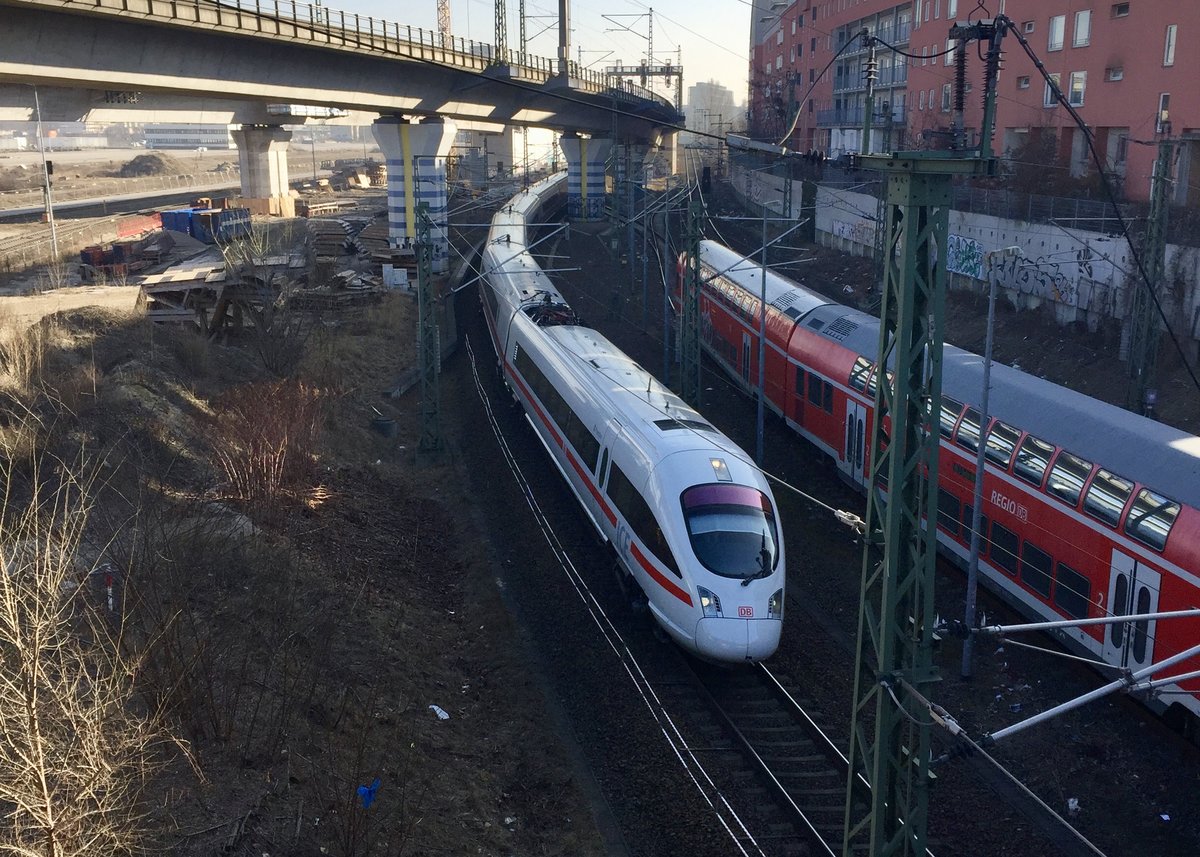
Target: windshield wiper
x=764 y=563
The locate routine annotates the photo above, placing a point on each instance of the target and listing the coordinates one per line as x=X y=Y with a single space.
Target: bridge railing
x=313 y=22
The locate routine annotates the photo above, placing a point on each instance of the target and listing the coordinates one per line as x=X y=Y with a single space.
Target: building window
x=1054 y=41
x=1083 y=29
x=1169 y=46
x=792 y=56
x=779 y=37
x=922 y=100
x=946 y=98
x=793 y=28
x=937 y=8
x=1116 y=73
x=951 y=8
x=931 y=101
x=1028 y=27
x=1162 y=120
x=1050 y=99
x=1078 y=85
x=779 y=62
x=1120 y=10
x=924 y=55
x=1023 y=82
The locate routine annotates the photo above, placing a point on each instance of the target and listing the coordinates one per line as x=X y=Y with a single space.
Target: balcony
x=894 y=76
x=852 y=117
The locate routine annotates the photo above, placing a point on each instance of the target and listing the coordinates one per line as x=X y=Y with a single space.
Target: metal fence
x=312 y=22
x=1089 y=214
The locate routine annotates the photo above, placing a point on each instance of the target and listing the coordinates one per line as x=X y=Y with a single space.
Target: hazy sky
x=714 y=34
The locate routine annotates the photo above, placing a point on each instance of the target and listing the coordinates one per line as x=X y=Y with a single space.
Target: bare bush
x=74 y=750
x=264 y=439
x=22 y=353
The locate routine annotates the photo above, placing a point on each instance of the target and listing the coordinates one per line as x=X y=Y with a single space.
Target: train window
x=634 y=509
x=859 y=372
x=1106 y=497
x=873 y=382
x=951 y=409
x=1067 y=477
x=1035 y=569
x=1032 y=460
x=1072 y=592
x=732 y=529
x=820 y=392
x=948 y=511
x=967 y=516
x=581 y=438
x=799 y=381
x=1004 y=548
x=968 y=430
x=1001 y=441
x=1151 y=518
x=603 y=463
x=1116 y=631
x=1141 y=625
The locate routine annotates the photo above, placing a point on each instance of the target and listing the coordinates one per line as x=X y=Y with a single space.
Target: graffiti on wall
x=964 y=256
x=859 y=231
x=1076 y=278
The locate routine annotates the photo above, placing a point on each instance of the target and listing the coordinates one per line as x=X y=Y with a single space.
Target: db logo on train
x=745 y=612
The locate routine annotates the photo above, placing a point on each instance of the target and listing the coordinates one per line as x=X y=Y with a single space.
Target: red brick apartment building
x=1124 y=66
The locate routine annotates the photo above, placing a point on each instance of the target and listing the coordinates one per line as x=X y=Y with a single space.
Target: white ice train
x=689 y=517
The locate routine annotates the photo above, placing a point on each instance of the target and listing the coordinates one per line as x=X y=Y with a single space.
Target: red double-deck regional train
x=1089 y=511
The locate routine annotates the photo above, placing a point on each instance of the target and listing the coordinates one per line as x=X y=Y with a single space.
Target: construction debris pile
x=119 y=259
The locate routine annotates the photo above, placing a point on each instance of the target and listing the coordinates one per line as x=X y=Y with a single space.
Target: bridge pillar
x=416 y=163
x=586 y=158
x=262 y=155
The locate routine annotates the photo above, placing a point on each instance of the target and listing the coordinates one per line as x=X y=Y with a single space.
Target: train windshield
x=732 y=530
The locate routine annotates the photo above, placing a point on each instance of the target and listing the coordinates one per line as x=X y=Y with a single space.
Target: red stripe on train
x=659 y=578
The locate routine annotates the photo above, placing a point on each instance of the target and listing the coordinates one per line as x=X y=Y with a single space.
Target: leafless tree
x=74 y=746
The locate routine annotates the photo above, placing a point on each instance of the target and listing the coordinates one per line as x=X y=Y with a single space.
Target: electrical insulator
x=872 y=69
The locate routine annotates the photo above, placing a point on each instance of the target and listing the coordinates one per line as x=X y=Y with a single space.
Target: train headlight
x=775 y=605
x=709 y=603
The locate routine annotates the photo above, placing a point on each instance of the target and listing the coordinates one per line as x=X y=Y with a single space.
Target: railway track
x=799 y=767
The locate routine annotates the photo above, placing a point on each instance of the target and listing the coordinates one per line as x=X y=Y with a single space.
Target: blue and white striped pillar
x=416 y=164
x=586 y=158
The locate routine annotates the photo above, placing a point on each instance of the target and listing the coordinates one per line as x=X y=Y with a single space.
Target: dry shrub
x=193 y=352
x=75 y=749
x=264 y=440
x=23 y=349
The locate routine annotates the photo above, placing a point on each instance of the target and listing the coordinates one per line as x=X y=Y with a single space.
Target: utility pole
x=1143 y=338
x=501 y=32
x=762 y=347
x=443 y=20
x=689 y=322
x=872 y=70
x=47 y=170
x=429 y=336
x=645 y=254
x=889 y=748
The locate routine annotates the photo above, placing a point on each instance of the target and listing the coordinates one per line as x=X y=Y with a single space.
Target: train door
x=746 y=357
x=853 y=457
x=1132 y=588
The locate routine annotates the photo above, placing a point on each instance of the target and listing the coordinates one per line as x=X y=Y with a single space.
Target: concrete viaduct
x=199 y=60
